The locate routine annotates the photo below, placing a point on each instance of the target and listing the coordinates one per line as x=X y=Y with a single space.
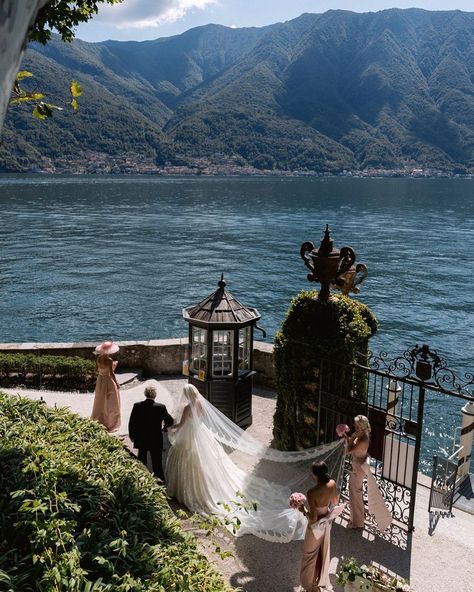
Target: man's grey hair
x=150 y=392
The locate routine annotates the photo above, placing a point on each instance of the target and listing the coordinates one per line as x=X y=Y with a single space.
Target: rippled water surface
x=84 y=258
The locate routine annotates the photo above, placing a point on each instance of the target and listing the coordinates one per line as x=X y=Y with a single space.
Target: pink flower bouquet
x=342 y=429
x=297 y=500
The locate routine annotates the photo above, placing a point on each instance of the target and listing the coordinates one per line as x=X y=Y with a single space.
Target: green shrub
x=47 y=371
x=313 y=351
x=78 y=514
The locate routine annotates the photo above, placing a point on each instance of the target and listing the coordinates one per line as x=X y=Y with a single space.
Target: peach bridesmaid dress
x=106 y=408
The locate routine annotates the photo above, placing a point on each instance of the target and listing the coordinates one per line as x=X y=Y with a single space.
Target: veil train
x=214 y=463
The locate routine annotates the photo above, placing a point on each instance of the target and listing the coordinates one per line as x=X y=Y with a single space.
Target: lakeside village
x=91 y=162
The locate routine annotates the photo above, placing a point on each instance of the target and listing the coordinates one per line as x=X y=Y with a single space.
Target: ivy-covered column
x=332 y=332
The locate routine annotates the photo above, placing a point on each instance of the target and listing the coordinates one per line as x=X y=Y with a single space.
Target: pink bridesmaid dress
x=377 y=507
x=314 y=572
x=106 y=408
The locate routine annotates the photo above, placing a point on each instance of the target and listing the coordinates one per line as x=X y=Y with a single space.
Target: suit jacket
x=146 y=424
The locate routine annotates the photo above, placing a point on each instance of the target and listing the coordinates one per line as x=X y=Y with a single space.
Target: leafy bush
x=55 y=372
x=313 y=350
x=78 y=514
x=376 y=579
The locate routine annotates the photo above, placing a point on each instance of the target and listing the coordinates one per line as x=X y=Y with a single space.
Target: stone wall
x=157 y=356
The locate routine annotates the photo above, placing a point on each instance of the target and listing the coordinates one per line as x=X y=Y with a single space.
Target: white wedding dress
x=213 y=463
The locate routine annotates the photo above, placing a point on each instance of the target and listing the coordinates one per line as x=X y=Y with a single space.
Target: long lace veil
x=247 y=469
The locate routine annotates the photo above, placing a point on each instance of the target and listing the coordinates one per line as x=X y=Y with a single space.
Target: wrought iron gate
x=391 y=393
x=443 y=481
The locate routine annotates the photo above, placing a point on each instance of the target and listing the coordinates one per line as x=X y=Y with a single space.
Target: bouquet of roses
x=297 y=500
x=342 y=429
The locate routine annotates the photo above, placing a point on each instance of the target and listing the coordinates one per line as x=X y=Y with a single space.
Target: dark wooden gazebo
x=221 y=352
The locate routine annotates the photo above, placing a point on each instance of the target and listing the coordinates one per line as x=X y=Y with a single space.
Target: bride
x=213 y=463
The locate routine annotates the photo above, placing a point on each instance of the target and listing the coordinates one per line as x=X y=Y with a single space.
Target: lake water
x=87 y=258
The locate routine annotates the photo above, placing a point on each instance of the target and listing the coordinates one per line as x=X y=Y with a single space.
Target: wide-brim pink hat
x=106 y=347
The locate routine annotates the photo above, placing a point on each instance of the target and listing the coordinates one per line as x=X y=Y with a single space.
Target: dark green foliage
x=63 y=16
x=104 y=123
x=78 y=514
x=46 y=371
x=317 y=336
x=341 y=90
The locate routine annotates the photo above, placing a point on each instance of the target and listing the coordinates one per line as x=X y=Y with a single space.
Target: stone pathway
x=441 y=562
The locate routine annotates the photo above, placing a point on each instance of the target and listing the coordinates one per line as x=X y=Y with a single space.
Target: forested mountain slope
x=327 y=92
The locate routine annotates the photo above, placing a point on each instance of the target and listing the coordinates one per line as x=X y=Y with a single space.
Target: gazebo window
x=222 y=343
x=244 y=349
x=199 y=350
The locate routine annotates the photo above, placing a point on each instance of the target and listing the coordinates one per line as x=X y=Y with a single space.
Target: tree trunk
x=16 y=18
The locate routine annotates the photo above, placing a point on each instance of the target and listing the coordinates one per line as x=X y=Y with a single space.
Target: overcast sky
x=150 y=19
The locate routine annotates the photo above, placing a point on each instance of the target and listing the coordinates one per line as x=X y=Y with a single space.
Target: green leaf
x=43 y=110
x=24 y=98
x=23 y=74
x=74 y=104
x=75 y=89
x=49 y=108
x=38 y=112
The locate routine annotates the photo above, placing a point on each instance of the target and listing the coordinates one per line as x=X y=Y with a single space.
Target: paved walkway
x=440 y=562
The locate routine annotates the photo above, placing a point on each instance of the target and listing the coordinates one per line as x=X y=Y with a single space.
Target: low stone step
x=128 y=376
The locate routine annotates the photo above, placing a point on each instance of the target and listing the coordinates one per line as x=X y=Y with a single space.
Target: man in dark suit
x=145 y=430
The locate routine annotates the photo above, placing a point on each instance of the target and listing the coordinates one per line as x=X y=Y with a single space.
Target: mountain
x=322 y=92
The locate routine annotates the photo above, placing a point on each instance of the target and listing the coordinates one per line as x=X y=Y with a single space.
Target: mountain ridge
x=326 y=92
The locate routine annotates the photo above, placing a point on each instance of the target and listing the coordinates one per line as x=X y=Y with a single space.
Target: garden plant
x=79 y=514
x=363 y=578
x=47 y=371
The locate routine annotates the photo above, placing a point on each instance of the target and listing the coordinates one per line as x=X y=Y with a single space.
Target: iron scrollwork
x=424 y=366
x=398 y=500
x=306 y=248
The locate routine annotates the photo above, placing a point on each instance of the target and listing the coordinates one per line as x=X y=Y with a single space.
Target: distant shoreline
x=193 y=173
x=270 y=175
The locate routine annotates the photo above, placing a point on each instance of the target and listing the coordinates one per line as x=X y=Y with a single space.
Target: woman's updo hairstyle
x=321 y=471
x=364 y=423
x=190 y=392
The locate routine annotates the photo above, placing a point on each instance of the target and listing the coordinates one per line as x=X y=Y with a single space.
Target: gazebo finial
x=222 y=283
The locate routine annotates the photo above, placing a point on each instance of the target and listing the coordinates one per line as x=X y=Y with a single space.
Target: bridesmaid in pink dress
x=106 y=408
x=321 y=498
x=358 y=447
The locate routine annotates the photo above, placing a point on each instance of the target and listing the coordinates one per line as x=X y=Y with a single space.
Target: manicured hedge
x=316 y=343
x=79 y=514
x=46 y=371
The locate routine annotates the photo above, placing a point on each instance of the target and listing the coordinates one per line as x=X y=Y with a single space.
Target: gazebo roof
x=221 y=308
